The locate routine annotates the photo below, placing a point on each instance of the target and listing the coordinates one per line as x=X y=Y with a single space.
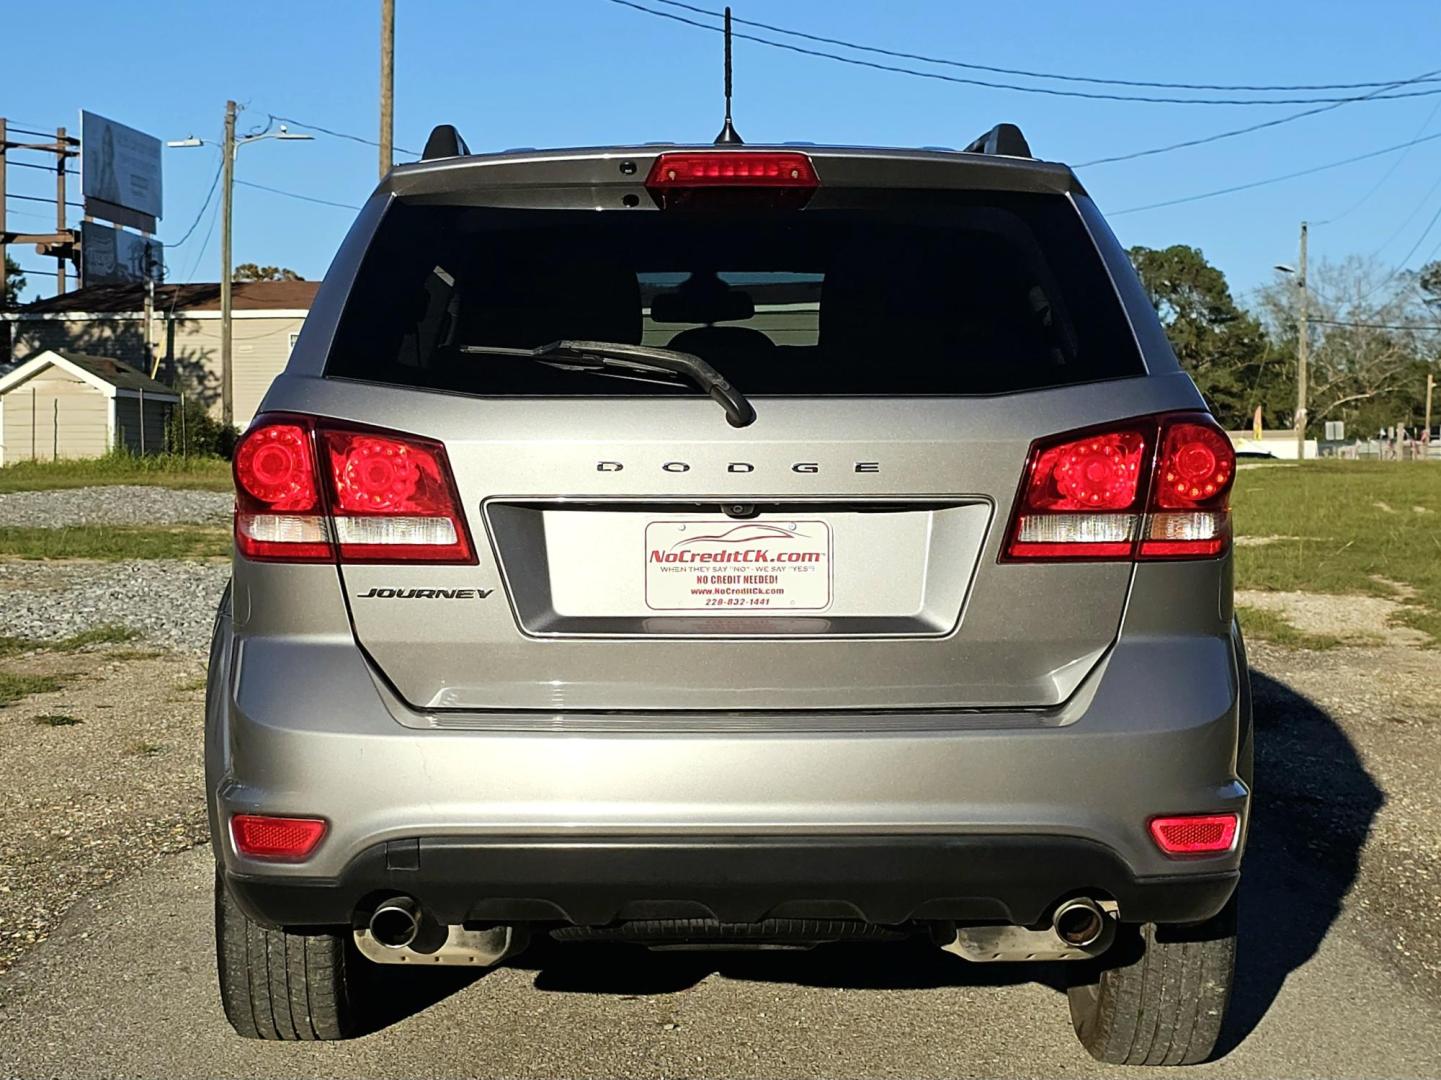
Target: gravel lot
x=170 y=601
x=118 y=505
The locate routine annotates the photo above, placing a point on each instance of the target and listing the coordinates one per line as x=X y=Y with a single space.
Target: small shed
x=73 y=405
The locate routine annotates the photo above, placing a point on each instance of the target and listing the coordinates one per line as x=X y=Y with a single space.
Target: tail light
x=258 y=836
x=1195 y=834
x=1155 y=488
x=783 y=178
x=315 y=490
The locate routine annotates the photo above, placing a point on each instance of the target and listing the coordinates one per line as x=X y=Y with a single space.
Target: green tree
x=14 y=281
x=253 y=272
x=1220 y=346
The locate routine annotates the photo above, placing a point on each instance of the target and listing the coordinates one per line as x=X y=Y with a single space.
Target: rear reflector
x=311 y=490
x=1195 y=834
x=733 y=168
x=258 y=836
x=1153 y=488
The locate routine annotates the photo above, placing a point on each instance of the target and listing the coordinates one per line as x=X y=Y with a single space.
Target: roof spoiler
x=446 y=142
x=1005 y=140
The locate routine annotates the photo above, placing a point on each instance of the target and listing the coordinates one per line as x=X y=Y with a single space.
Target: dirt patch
x=1360 y=620
x=1262 y=541
x=97 y=779
x=1400 y=589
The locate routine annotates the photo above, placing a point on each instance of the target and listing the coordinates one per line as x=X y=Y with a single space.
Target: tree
x=14 y=282
x=252 y=272
x=1370 y=341
x=1223 y=348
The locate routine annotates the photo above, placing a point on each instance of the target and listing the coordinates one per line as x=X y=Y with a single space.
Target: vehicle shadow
x=1313 y=808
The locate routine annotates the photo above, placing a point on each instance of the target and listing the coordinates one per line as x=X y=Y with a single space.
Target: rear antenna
x=728 y=134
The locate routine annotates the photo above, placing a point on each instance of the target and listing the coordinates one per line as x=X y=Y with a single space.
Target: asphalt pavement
x=127 y=988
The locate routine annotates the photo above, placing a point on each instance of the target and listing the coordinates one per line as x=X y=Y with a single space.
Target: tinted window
x=933 y=293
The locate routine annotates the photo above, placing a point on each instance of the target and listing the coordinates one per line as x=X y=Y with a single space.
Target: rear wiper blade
x=633 y=361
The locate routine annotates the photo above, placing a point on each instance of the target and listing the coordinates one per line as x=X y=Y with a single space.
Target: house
x=71 y=405
x=109 y=320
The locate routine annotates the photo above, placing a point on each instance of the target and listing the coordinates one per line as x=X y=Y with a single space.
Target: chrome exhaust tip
x=396 y=923
x=1079 y=922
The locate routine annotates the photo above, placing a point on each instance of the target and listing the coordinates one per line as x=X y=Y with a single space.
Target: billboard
x=119 y=167
x=111 y=256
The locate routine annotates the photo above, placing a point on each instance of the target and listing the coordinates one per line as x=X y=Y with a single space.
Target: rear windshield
x=941 y=293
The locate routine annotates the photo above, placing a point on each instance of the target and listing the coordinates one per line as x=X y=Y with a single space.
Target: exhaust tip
x=1079 y=922
x=396 y=923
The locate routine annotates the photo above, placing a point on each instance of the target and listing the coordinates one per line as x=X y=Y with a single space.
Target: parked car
x=731 y=546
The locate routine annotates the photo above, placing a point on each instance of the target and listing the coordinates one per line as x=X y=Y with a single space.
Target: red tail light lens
x=1195 y=834
x=1194 y=472
x=278 y=513
x=1085 y=495
x=394 y=499
x=382 y=496
x=1081 y=498
x=733 y=168
x=258 y=836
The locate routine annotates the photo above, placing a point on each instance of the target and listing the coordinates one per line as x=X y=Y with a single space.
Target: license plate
x=731 y=566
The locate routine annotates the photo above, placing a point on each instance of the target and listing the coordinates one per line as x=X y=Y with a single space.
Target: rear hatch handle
x=641 y=362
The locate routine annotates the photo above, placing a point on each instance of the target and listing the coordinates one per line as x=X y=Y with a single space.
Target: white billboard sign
x=119 y=165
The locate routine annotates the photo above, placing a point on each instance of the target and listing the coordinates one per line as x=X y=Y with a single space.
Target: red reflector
x=1195 y=834
x=733 y=168
x=260 y=837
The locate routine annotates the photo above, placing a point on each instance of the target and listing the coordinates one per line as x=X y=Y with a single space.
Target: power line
x=43 y=168
x=1050 y=91
x=1056 y=76
x=1385 y=175
x=1377 y=326
x=1218 y=136
x=1277 y=179
x=214 y=182
x=337 y=134
x=39 y=198
x=297 y=195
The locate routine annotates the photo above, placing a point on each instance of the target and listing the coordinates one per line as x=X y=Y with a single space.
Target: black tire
x=1164 y=1000
x=289 y=987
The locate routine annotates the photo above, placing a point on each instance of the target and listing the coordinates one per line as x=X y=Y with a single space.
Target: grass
x=57 y=720
x=105 y=634
x=1344 y=525
x=14 y=687
x=115 y=542
x=135 y=654
x=164 y=470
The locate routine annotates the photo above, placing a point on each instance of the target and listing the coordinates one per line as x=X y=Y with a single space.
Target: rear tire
x=1165 y=1002
x=283 y=986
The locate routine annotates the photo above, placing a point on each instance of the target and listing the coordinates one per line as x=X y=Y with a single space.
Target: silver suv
x=730 y=547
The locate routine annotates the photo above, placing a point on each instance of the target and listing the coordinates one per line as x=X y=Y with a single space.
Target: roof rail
x=1003 y=139
x=444 y=142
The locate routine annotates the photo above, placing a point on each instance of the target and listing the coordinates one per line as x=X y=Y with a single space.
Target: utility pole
x=387 y=85
x=1302 y=346
x=227 y=199
x=1430 y=386
x=60 y=160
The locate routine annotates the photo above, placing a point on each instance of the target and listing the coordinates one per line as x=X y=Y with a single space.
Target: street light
x=229 y=148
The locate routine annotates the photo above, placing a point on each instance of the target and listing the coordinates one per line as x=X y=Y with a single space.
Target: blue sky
x=585 y=72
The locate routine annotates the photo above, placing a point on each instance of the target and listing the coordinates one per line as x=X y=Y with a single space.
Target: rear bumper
x=878 y=879
x=587 y=818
